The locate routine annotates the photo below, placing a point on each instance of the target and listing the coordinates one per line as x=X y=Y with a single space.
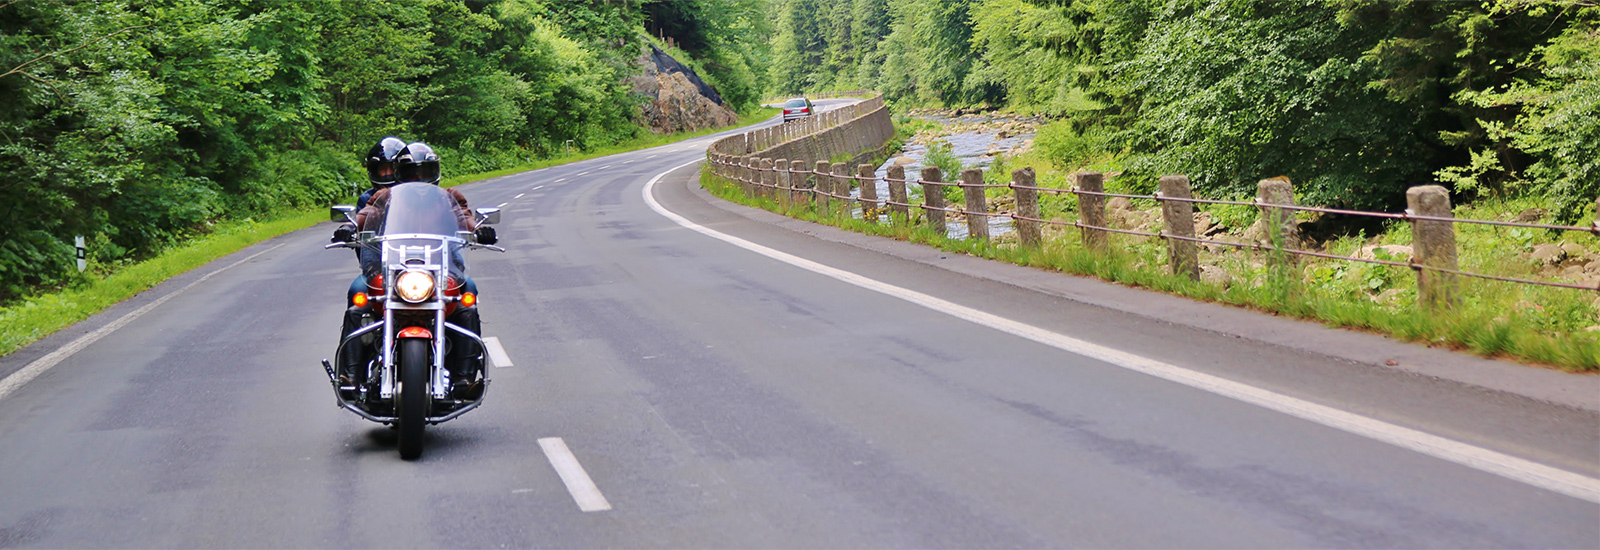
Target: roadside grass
x=1537 y=325
x=42 y=315
x=27 y=320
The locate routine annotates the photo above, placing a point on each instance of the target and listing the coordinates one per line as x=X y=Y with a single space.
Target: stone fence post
x=897 y=194
x=869 y=192
x=1091 y=209
x=799 y=181
x=1178 y=217
x=1434 y=245
x=742 y=173
x=840 y=206
x=977 y=204
x=1027 y=207
x=822 y=188
x=933 y=198
x=769 y=178
x=1278 y=222
x=784 y=179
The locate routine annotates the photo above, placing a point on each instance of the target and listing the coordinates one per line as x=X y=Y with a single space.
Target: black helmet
x=380 y=160
x=417 y=162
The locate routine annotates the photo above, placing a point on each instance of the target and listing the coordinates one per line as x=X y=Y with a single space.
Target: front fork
x=438 y=380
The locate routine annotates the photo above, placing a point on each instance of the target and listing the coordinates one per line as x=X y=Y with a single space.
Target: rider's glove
x=485 y=235
x=345 y=233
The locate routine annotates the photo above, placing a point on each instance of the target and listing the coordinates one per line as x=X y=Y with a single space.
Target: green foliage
x=1025 y=49
x=1354 y=100
x=940 y=154
x=141 y=123
x=1070 y=149
x=1557 y=127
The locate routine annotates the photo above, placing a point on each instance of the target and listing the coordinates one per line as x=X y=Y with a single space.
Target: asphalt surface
x=717 y=397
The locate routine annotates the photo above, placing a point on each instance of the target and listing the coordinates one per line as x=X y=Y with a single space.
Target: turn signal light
x=469 y=299
x=359 y=300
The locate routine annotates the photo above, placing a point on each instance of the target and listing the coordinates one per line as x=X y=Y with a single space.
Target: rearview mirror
x=488 y=216
x=342 y=212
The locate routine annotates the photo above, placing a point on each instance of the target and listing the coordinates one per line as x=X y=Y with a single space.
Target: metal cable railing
x=930 y=185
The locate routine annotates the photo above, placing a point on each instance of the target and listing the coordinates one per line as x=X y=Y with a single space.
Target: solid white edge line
x=497 y=354
x=572 y=475
x=42 y=364
x=1494 y=462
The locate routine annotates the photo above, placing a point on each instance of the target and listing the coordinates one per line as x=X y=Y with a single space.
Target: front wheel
x=412 y=413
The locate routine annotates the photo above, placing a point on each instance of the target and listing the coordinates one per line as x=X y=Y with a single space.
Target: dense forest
x=137 y=122
x=1354 y=100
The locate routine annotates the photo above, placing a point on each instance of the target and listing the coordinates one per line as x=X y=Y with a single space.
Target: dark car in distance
x=797 y=108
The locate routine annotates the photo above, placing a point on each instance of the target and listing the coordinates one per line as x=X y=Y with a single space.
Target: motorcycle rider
x=381 y=174
x=380 y=167
x=418 y=162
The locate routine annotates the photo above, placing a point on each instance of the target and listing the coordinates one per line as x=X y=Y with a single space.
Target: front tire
x=412 y=413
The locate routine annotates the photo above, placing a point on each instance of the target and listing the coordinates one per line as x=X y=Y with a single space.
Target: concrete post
x=1434 y=245
x=751 y=176
x=1091 y=209
x=840 y=206
x=799 y=181
x=1027 y=208
x=769 y=178
x=781 y=166
x=823 y=187
x=897 y=194
x=868 y=181
x=977 y=206
x=1279 y=222
x=741 y=170
x=933 y=197
x=1178 y=217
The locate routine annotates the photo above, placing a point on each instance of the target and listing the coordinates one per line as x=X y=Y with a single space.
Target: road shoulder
x=1578 y=391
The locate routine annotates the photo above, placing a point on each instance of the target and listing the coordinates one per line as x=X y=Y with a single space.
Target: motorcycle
x=398 y=333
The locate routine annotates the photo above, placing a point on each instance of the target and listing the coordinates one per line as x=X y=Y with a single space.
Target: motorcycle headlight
x=414 y=286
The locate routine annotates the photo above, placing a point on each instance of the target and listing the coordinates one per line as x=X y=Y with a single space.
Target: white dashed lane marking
x=583 y=490
x=497 y=354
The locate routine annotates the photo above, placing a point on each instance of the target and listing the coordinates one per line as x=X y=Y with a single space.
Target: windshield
x=796 y=102
x=417 y=208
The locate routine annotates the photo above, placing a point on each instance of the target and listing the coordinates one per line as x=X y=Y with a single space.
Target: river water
x=975 y=141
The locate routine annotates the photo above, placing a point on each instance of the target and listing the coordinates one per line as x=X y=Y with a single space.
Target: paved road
x=722 y=396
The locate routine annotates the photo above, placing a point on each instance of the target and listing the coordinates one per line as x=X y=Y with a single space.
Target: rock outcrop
x=679 y=100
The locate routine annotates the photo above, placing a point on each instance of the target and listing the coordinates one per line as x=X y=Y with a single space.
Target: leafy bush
x=1069 y=149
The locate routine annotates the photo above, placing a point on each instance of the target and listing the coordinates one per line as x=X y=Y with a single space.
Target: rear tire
x=412 y=410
